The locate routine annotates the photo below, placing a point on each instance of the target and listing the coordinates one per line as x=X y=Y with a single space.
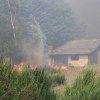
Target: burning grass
x=20 y=66
x=36 y=84
x=28 y=85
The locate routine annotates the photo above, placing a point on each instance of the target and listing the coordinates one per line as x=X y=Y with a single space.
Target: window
x=75 y=57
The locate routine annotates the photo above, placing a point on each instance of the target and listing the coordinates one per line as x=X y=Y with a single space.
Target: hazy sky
x=87 y=13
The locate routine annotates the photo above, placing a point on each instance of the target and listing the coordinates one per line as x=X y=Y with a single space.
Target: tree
x=30 y=24
x=54 y=17
x=22 y=34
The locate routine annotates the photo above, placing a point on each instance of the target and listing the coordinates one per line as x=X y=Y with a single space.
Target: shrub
x=37 y=84
x=86 y=87
x=28 y=85
x=57 y=77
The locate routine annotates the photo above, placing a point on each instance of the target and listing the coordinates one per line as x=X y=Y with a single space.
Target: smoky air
x=49 y=31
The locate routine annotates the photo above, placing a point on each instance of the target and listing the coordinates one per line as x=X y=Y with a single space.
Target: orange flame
x=19 y=67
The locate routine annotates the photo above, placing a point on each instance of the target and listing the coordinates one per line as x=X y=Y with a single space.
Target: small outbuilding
x=76 y=53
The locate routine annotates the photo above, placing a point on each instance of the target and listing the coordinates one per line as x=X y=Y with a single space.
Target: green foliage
x=59 y=79
x=28 y=85
x=86 y=87
x=56 y=77
x=37 y=84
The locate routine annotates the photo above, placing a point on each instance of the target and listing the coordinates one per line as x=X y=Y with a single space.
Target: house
x=76 y=53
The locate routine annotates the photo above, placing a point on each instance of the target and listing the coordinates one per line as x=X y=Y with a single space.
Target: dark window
x=75 y=57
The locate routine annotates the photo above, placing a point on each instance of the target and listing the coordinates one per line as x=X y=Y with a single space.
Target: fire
x=20 y=66
x=63 y=68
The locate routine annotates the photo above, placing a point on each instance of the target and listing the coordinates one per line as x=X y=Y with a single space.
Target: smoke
x=32 y=43
x=87 y=13
x=29 y=38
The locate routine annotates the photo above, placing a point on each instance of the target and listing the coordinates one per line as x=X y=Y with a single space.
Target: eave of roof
x=76 y=47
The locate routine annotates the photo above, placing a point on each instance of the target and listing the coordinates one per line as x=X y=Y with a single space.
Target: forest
x=30 y=26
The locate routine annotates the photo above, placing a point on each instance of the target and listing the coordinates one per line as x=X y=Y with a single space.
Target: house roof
x=76 y=47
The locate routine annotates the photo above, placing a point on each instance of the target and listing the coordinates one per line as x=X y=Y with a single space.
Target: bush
x=28 y=85
x=56 y=77
x=86 y=87
x=37 y=84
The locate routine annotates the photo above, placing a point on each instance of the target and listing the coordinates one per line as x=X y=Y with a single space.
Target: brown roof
x=76 y=47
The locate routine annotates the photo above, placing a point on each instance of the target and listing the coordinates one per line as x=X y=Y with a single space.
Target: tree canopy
x=36 y=23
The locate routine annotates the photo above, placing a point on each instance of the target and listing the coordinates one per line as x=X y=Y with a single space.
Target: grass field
x=49 y=84
x=72 y=74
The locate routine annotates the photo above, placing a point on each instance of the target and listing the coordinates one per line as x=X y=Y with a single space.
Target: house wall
x=51 y=60
x=83 y=60
x=98 y=55
x=58 y=60
x=93 y=58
